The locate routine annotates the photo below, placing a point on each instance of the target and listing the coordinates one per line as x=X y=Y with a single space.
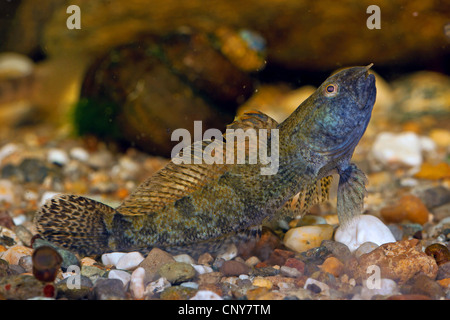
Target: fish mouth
x=365 y=89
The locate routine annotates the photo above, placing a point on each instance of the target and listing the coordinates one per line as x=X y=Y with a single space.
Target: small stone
x=205 y=258
x=265 y=271
x=177 y=293
x=137 y=287
x=5 y=219
x=79 y=154
x=46 y=263
x=13 y=254
x=317 y=286
x=109 y=289
x=362 y=229
x=403 y=148
x=409 y=208
x=366 y=247
x=399 y=261
x=441 y=212
x=444 y=283
x=443 y=271
x=435 y=196
x=210 y=278
x=57 y=156
x=290 y=272
x=177 y=272
x=338 y=249
x=122 y=275
x=112 y=258
x=279 y=256
x=184 y=258
x=426 y=286
x=439 y=252
x=154 y=260
x=433 y=171
x=26 y=262
x=230 y=253
x=130 y=261
x=254 y=294
x=73 y=291
x=23 y=234
x=262 y=282
x=206 y=295
x=304 y=238
x=268 y=242
x=92 y=272
x=156 y=287
x=6 y=191
x=384 y=287
x=273 y=295
x=310 y=220
x=296 y=264
x=252 y=261
x=333 y=265
x=201 y=269
x=22 y=287
x=86 y=261
x=234 y=268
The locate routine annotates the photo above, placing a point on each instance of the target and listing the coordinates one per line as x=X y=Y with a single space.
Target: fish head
x=340 y=110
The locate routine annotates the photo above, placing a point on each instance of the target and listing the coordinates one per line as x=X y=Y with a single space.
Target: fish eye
x=331 y=90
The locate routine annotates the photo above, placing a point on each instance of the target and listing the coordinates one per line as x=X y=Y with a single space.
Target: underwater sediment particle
x=439 y=252
x=46 y=263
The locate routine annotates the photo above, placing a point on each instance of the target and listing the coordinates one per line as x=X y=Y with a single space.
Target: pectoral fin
x=351 y=193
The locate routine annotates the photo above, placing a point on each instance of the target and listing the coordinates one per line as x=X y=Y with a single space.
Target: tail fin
x=75 y=223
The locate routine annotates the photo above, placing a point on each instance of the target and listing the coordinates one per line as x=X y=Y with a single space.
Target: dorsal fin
x=310 y=195
x=177 y=180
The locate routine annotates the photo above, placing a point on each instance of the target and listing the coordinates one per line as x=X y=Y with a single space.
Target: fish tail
x=75 y=223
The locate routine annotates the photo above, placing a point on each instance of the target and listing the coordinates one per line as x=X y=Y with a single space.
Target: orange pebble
x=409 y=208
x=333 y=265
x=434 y=171
x=122 y=193
x=444 y=283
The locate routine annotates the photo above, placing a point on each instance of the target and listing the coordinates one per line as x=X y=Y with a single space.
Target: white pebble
x=184 y=258
x=7 y=150
x=384 y=287
x=290 y=272
x=157 y=286
x=122 y=275
x=18 y=220
x=80 y=154
x=112 y=258
x=190 y=284
x=206 y=295
x=405 y=148
x=130 y=261
x=137 y=288
x=324 y=288
x=57 y=156
x=364 y=228
x=201 y=269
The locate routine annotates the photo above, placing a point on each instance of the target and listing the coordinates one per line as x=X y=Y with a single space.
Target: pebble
x=206 y=295
x=435 y=196
x=201 y=269
x=177 y=293
x=439 y=252
x=304 y=238
x=177 y=272
x=109 y=289
x=234 y=268
x=290 y=272
x=73 y=291
x=184 y=258
x=366 y=247
x=137 y=288
x=205 y=258
x=323 y=288
x=26 y=262
x=112 y=258
x=122 y=275
x=92 y=272
x=154 y=260
x=79 y=154
x=333 y=266
x=13 y=254
x=229 y=254
x=338 y=249
x=426 y=286
x=399 y=261
x=262 y=282
x=401 y=148
x=157 y=286
x=6 y=191
x=252 y=261
x=130 y=261
x=383 y=287
x=443 y=271
x=23 y=287
x=57 y=156
x=364 y=228
x=408 y=207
